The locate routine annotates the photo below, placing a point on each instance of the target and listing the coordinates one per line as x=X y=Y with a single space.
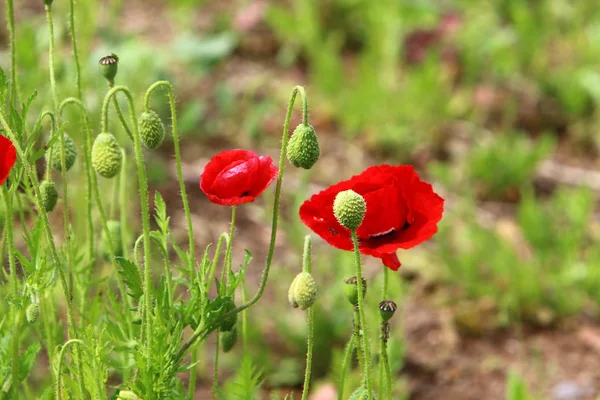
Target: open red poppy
x=235 y=177
x=402 y=211
x=8 y=156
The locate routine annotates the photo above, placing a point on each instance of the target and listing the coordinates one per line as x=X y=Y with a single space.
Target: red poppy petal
x=8 y=157
x=235 y=180
x=391 y=261
x=266 y=173
x=313 y=215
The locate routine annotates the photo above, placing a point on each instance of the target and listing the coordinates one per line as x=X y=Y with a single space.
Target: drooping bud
x=351 y=289
x=387 y=308
x=70 y=153
x=361 y=394
x=106 y=155
x=303 y=291
x=48 y=195
x=127 y=395
x=109 y=66
x=229 y=322
x=114 y=230
x=229 y=339
x=152 y=130
x=32 y=312
x=303 y=147
x=349 y=209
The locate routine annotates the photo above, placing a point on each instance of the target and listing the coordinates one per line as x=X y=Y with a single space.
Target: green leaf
x=131 y=276
x=27 y=359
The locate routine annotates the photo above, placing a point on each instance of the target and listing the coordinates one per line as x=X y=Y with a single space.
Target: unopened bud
x=349 y=209
x=303 y=291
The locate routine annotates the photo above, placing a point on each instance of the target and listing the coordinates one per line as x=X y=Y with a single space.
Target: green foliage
x=246 y=383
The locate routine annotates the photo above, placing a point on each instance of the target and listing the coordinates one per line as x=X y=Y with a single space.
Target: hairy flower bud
x=349 y=209
x=351 y=289
x=152 y=130
x=106 y=155
x=32 y=312
x=229 y=322
x=303 y=291
x=114 y=230
x=48 y=195
x=387 y=308
x=70 y=153
x=303 y=147
x=109 y=66
x=361 y=394
x=229 y=339
x=127 y=395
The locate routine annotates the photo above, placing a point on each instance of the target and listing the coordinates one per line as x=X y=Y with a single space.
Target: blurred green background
x=494 y=101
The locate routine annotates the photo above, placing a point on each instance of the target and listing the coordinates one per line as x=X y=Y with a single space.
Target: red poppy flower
x=8 y=156
x=402 y=211
x=236 y=177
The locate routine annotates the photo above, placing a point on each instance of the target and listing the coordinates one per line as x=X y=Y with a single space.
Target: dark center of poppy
x=246 y=193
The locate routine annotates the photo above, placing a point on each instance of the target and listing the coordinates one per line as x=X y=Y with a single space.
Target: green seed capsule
x=70 y=153
x=228 y=323
x=303 y=148
x=229 y=339
x=114 y=230
x=106 y=155
x=303 y=291
x=32 y=312
x=351 y=290
x=48 y=195
x=387 y=308
x=152 y=130
x=109 y=66
x=361 y=394
x=349 y=209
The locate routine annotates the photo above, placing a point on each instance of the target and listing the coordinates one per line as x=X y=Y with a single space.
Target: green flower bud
x=152 y=130
x=48 y=195
x=303 y=291
x=349 y=209
x=108 y=67
x=387 y=308
x=70 y=153
x=361 y=394
x=106 y=155
x=127 y=395
x=303 y=147
x=32 y=312
x=228 y=339
x=114 y=230
x=229 y=322
x=351 y=289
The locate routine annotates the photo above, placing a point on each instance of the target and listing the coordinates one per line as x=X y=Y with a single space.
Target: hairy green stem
x=307 y=267
x=143 y=187
x=61 y=357
x=362 y=319
x=74 y=45
x=123 y=204
x=15 y=284
x=275 y=220
x=383 y=359
x=10 y=23
x=51 y=55
x=175 y=133
x=111 y=84
x=345 y=362
x=72 y=328
x=244 y=319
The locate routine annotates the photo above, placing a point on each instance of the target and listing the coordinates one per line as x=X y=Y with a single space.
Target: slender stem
x=123 y=204
x=47 y=230
x=362 y=319
x=358 y=335
x=15 y=284
x=74 y=44
x=49 y=114
x=345 y=362
x=10 y=22
x=215 y=382
x=115 y=195
x=265 y=275
x=143 y=187
x=111 y=85
x=307 y=267
x=382 y=344
x=51 y=55
x=244 y=319
x=175 y=133
x=61 y=357
x=388 y=375
x=213 y=267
